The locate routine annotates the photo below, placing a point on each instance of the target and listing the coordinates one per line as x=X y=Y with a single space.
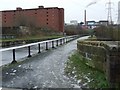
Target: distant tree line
x=108 y=32
x=77 y=29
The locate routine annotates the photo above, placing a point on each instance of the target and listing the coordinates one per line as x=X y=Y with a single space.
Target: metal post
x=52 y=44
x=13 y=54
x=60 y=41
x=65 y=40
x=46 y=45
x=57 y=43
x=29 y=55
x=39 y=48
x=14 y=61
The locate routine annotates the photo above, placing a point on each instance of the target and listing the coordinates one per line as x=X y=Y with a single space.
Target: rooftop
x=39 y=7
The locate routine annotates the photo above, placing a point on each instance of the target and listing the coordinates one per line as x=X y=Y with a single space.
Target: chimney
x=85 y=18
x=18 y=8
x=40 y=6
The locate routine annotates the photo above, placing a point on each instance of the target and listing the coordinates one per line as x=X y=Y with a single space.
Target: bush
x=105 y=32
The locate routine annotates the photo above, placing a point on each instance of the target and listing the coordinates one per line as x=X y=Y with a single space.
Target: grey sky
x=74 y=9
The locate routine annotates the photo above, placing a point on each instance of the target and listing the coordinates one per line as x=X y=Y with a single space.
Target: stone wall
x=104 y=56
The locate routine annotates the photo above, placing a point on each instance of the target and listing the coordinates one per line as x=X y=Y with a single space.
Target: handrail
x=31 y=44
x=17 y=47
x=61 y=40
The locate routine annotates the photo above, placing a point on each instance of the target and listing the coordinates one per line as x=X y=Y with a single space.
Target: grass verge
x=31 y=38
x=85 y=75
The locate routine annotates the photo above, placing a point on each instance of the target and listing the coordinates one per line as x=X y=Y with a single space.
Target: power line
x=109 y=16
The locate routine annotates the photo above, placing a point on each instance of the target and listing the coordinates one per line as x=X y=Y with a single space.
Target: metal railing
x=54 y=43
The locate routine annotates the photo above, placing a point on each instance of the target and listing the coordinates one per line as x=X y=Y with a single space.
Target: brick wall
x=51 y=17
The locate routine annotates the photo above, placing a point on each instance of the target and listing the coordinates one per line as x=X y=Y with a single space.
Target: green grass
x=31 y=38
x=77 y=64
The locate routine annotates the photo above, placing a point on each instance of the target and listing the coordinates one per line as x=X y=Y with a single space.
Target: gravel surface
x=45 y=70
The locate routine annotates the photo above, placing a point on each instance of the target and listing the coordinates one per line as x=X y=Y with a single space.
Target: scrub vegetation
x=86 y=76
x=32 y=38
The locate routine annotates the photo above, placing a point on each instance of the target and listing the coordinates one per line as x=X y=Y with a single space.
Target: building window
x=35 y=13
x=47 y=19
x=5 y=21
x=47 y=15
x=47 y=12
x=47 y=23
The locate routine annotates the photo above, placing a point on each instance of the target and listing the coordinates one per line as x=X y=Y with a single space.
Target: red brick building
x=50 y=17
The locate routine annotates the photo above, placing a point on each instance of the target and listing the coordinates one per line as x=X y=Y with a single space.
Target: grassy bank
x=31 y=38
x=85 y=75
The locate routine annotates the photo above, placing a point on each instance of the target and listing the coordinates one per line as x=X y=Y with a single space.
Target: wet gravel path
x=45 y=70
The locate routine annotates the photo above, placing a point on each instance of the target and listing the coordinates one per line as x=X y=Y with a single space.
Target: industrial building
x=94 y=24
x=49 y=17
x=119 y=12
x=74 y=22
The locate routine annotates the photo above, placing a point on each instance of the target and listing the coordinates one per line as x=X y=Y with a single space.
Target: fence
x=54 y=43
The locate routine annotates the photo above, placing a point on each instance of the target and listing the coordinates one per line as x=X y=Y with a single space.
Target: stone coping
x=109 y=45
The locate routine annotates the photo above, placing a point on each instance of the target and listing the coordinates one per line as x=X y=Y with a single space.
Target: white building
x=73 y=22
x=119 y=12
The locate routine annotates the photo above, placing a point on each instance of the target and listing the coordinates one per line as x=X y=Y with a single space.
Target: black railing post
x=39 y=48
x=29 y=55
x=60 y=41
x=52 y=44
x=14 y=61
x=57 y=43
x=46 y=45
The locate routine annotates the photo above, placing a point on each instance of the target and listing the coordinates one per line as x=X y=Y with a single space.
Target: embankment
x=104 y=56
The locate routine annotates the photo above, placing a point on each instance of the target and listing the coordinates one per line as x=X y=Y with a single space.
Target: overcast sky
x=74 y=9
